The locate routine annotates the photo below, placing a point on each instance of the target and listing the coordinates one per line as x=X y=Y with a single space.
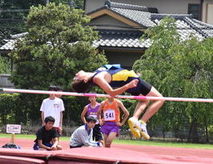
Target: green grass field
x=131 y=142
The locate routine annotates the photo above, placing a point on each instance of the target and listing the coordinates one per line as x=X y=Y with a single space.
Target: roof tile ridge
x=193 y=26
x=110 y=4
x=203 y=23
x=170 y=15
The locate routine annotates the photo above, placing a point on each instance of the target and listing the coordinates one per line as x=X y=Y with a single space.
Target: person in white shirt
x=53 y=106
x=83 y=136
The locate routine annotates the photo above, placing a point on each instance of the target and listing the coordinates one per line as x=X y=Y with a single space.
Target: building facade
x=121 y=26
x=200 y=9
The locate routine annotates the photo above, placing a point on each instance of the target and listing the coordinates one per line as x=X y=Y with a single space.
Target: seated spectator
x=92 y=110
x=83 y=136
x=47 y=136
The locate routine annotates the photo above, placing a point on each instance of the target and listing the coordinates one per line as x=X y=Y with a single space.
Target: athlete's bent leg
x=154 y=106
x=105 y=139
x=140 y=107
x=110 y=138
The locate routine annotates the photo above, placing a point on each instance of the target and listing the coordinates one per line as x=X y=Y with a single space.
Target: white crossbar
x=105 y=95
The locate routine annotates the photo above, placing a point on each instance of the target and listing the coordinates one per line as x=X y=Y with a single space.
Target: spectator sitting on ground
x=83 y=136
x=92 y=110
x=47 y=136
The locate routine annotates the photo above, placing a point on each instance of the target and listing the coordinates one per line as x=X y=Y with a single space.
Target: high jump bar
x=105 y=95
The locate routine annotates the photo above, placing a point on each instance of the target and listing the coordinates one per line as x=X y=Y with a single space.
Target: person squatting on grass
x=83 y=136
x=47 y=137
x=115 y=80
x=110 y=122
x=91 y=109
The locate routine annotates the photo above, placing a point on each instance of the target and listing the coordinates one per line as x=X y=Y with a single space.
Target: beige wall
x=108 y=22
x=207 y=15
x=91 y=5
x=164 y=6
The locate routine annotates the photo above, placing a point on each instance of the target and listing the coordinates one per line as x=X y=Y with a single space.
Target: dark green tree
x=5 y=66
x=12 y=16
x=78 y=4
x=58 y=44
x=179 y=69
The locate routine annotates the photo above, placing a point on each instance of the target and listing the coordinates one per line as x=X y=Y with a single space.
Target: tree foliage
x=13 y=14
x=58 y=44
x=179 y=69
x=78 y=4
x=5 y=65
x=8 y=103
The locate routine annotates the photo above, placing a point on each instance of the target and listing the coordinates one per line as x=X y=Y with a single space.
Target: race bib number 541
x=109 y=115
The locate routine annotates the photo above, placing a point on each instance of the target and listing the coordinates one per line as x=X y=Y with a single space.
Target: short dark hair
x=91 y=119
x=49 y=119
x=80 y=86
x=52 y=88
x=59 y=88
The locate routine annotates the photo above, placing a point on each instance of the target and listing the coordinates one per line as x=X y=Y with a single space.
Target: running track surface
x=118 y=153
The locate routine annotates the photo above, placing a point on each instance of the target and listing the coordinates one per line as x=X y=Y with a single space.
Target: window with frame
x=195 y=10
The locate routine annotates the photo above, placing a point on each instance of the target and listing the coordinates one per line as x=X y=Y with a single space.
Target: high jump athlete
x=115 y=80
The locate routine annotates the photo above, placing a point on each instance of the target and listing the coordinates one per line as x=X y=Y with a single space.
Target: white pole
x=105 y=95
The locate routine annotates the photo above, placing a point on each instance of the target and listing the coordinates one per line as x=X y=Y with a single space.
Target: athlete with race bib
x=109 y=118
x=91 y=109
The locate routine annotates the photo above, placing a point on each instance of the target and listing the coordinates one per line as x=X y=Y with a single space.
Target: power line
x=14 y=10
x=11 y=19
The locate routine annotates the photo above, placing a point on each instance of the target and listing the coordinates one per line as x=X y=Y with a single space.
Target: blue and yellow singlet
x=121 y=76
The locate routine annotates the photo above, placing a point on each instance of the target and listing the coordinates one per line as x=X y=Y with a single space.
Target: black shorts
x=97 y=136
x=142 y=88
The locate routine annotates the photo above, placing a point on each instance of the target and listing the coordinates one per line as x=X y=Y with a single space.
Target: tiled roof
x=125 y=6
x=9 y=45
x=138 y=14
x=140 y=17
x=186 y=27
x=109 y=38
x=118 y=38
x=20 y=35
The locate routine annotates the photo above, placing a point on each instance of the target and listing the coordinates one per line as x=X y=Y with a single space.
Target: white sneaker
x=134 y=130
x=143 y=129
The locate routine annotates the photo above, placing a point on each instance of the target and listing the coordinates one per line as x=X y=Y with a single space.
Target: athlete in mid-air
x=115 y=80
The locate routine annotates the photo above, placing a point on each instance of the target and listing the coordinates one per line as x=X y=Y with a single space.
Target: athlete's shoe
x=134 y=130
x=143 y=129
